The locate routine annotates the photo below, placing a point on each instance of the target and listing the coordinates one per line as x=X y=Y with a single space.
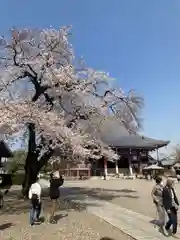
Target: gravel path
x=76 y=226
x=72 y=224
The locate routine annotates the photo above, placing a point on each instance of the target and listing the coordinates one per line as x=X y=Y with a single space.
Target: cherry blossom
x=62 y=92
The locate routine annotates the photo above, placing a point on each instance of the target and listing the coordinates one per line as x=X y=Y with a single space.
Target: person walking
x=56 y=181
x=36 y=205
x=157 y=199
x=171 y=205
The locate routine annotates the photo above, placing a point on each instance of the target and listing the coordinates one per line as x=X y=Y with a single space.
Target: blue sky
x=136 y=41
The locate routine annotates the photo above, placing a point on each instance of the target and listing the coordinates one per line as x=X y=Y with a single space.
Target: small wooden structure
x=153 y=167
x=177 y=166
x=80 y=171
x=167 y=163
x=153 y=170
x=5 y=152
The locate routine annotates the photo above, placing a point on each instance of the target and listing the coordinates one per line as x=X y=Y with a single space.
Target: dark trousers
x=172 y=220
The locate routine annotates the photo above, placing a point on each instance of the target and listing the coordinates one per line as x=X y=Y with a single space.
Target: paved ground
x=131 y=194
x=125 y=204
x=134 y=224
x=72 y=223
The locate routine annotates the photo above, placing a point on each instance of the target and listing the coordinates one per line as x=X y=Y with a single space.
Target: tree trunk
x=30 y=177
x=33 y=165
x=31 y=161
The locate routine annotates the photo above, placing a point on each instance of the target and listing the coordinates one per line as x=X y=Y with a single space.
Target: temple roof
x=135 y=141
x=116 y=135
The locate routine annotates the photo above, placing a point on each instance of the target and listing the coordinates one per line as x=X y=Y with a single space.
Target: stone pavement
x=136 y=225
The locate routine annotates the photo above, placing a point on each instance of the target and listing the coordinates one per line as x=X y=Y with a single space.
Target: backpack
x=34 y=200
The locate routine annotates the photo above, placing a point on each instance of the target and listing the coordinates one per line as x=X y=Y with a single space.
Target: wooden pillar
x=157 y=154
x=78 y=173
x=89 y=172
x=130 y=163
x=116 y=166
x=139 y=163
x=105 y=168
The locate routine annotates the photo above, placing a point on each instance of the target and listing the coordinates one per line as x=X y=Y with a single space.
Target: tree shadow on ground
x=18 y=206
x=99 y=194
x=60 y=216
x=5 y=226
x=106 y=238
x=72 y=198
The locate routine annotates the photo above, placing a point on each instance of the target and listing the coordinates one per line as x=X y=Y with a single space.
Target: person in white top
x=35 y=189
x=35 y=197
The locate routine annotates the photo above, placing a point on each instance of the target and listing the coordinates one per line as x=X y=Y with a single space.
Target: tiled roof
x=167 y=162
x=114 y=134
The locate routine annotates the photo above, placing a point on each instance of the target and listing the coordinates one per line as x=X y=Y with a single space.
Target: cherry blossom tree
x=45 y=88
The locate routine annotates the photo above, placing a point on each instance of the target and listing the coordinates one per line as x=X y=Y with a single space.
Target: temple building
x=133 y=152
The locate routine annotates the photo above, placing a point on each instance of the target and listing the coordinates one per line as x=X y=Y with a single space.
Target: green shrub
x=18 y=179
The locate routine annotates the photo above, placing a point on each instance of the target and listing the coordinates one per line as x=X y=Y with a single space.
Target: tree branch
x=44 y=158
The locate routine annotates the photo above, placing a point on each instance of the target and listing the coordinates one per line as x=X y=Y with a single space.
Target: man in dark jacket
x=171 y=204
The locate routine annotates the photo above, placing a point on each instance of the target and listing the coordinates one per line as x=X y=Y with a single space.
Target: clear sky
x=136 y=41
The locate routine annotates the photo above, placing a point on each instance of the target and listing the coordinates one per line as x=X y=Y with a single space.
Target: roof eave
x=150 y=148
